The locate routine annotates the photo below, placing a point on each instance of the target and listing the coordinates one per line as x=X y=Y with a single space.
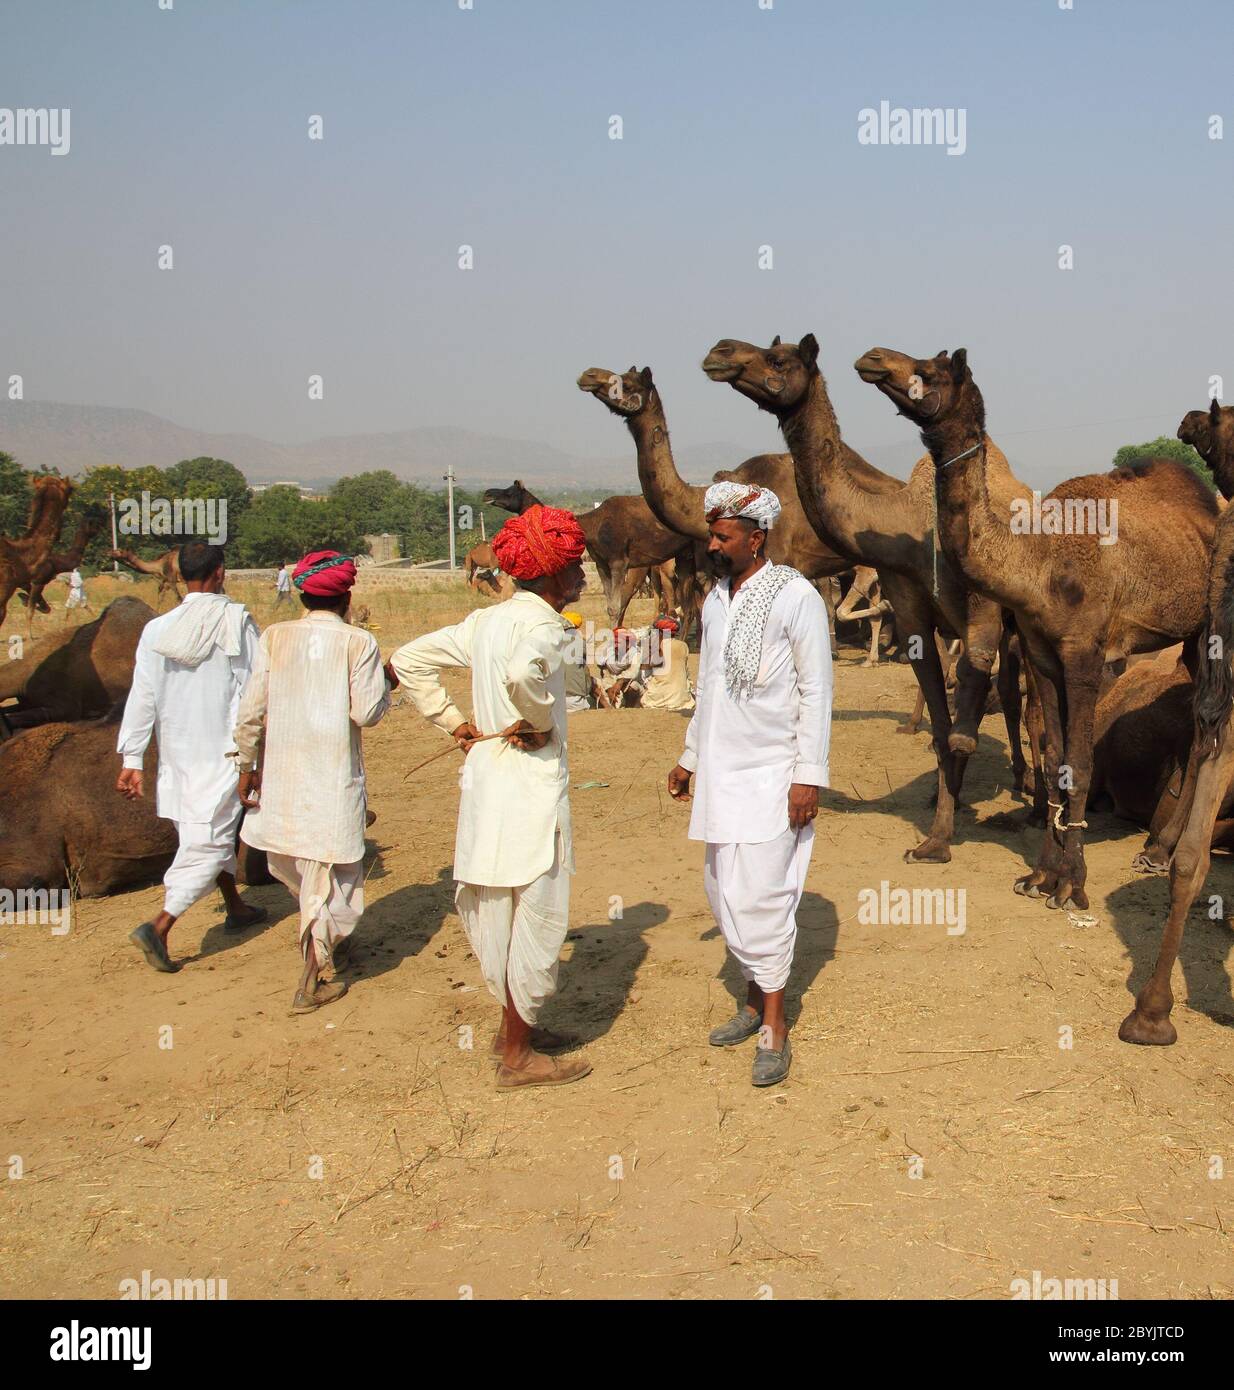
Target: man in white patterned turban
x=759 y=742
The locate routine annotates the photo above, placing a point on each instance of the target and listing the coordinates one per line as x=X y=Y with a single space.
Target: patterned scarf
x=743 y=650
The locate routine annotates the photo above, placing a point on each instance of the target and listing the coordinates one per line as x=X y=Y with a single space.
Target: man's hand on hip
x=679 y=784
x=802 y=805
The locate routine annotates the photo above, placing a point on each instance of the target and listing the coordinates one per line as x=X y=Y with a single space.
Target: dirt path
x=363 y=1151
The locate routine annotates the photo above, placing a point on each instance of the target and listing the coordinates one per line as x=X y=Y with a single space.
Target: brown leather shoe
x=542 y=1040
x=539 y=1070
x=323 y=994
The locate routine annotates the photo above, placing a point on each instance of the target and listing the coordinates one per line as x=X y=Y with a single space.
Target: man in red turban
x=543 y=541
x=513 y=854
x=325 y=574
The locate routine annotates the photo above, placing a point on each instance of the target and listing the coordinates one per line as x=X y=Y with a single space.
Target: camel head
x=926 y=390
x=625 y=393
x=774 y=378
x=1210 y=433
x=514 y=498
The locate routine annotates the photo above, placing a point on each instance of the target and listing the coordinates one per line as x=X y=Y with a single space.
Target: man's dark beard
x=720 y=563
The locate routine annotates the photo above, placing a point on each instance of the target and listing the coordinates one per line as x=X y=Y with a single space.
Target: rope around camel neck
x=934 y=507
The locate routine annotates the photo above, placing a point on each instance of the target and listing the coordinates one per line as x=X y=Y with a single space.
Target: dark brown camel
x=1211 y=758
x=22 y=555
x=1078 y=603
x=166 y=569
x=624 y=539
x=80 y=677
x=62 y=825
x=875 y=519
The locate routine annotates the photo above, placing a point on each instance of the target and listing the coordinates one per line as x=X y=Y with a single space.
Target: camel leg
x=973 y=676
x=1154 y=858
x=1010 y=699
x=625 y=584
x=1149 y=1021
x=1039 y=883
x=1082 y=676
x=913 y=722
x=876 y=629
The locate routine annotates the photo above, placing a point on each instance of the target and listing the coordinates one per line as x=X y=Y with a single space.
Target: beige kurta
x=668 y=685
x=512 y=803
x=316 y=683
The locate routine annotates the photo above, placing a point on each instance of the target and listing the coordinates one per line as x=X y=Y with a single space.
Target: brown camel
x=166 y=569
x=63 y=825
x=624 y=539
x=1078 y=602
x=80 y=677
x=1211 y=759
x=865 y=600
x=61 y=561
x=21 y=556
x=875 y=519
x=482 y=571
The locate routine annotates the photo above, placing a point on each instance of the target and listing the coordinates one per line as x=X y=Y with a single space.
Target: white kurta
x=316 y=683
x=513 y=802
x=747 y=753
x=192 y=709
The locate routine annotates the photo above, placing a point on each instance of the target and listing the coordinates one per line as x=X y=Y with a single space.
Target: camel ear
x=775 y=342
x=959 y=364
x=645 y=377
x=808 y=348
x=1214 y=411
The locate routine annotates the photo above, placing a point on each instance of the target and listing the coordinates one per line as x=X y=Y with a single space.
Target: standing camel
x=166 y=569
x=878 y=520
x=1211 y=433
x=1078 y=602
x=624 y=539
x=21 y=557
x=59 y=562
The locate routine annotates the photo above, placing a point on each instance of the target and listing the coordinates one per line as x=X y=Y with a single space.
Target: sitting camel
x=166 y=569
x=79 y=676
x=63 y=824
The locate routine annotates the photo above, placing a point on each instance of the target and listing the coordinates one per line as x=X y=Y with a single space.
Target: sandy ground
x=934 y=1138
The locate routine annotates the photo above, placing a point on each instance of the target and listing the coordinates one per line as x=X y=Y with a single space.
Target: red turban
x=324 y=573
x=544 y=540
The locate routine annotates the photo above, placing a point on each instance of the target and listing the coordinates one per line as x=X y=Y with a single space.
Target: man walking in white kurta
x=316 y=683
x=190 y=669
x=513 y=854
x=759 y=742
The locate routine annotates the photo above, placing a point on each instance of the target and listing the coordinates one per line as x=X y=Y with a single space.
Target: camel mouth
x=593 y=382
x=721 y=371
x=872 y=374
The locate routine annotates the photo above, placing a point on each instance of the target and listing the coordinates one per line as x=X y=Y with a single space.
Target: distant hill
x=47 y=434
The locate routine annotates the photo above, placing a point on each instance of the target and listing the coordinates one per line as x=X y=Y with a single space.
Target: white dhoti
x=207 y=849
x=331 y=899
x=517 y=935
x=754 y=891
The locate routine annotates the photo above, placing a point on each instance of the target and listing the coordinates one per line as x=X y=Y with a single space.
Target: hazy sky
x=491 y=127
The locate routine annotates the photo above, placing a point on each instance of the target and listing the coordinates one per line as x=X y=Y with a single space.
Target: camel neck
x=862 y=525
x=676 y=504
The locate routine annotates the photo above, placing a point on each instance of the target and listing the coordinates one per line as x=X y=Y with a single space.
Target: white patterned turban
x=746 y=501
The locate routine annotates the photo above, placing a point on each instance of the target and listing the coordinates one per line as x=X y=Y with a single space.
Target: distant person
x=191 y=667
x=513 y=854
x=581 y=685
x=759 y=741
x=664 y=675
x=316 y=684
x=77 y=592
x=619 y=666
x=282 y=586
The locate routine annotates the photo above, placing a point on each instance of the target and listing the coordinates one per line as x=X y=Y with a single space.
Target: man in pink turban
x=513 y=854
x=316 y=683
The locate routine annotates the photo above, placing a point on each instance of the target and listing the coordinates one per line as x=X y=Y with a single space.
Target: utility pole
x=449 y=481
x=115 y=542
x=483 y=537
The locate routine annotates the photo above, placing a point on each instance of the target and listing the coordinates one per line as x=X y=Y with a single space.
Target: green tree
x=96 y=488
x=14 y=496
x=1164 y=447
x=207 y=477
x=280 y=525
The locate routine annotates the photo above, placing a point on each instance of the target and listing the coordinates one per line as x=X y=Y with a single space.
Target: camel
x=64 y=825
x=482 y=571
x=166 y=569
x=60 y=562
x=875 y=519
x=80 y=676
x=21 y=556
x=624 y=539
x=865 y=600
x=1077 y=603
x=1211 y=759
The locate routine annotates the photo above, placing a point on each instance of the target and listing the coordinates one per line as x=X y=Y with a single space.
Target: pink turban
x=324 y=573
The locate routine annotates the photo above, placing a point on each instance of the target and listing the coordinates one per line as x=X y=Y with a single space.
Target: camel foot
x=961 y=743
x=908 y=728
x=1068 y=896
x=1152 y=859
x=1032 y=886
x=930 y=851
x=1149 y=1032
